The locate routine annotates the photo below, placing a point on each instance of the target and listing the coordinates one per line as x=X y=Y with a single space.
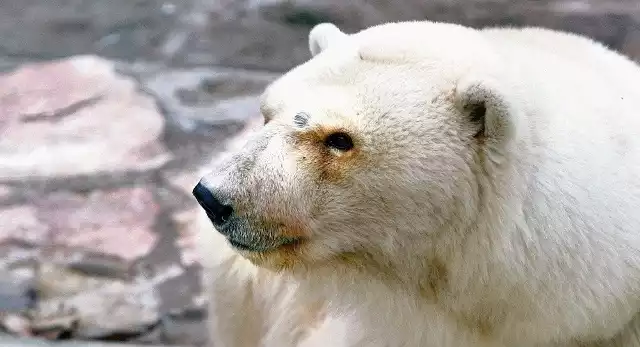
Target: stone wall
x=108 y=109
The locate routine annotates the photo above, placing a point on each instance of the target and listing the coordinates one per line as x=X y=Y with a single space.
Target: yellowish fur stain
x=330 y=165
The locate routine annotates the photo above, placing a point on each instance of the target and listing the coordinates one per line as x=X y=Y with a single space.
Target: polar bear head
x=373 y=152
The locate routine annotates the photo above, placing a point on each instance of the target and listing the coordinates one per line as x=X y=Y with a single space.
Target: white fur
x=322 y=35
x=526 y=236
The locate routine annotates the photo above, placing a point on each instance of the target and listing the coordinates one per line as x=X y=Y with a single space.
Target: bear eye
x=340 y=141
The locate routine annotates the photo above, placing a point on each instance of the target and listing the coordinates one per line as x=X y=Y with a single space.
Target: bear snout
x=243 y=232
x=218 y=212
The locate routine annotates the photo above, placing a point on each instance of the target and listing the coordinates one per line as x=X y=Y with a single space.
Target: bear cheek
x=282 y=226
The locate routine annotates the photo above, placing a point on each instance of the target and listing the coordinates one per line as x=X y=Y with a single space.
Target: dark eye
x=339 y=141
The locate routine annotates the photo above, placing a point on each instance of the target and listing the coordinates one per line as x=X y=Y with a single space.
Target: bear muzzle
x=243 y=233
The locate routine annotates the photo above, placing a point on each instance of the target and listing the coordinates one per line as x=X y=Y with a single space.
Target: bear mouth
x=241 y=246
x=281 y=244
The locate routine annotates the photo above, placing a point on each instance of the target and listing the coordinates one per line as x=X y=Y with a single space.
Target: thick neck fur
x=506 y=280
x=393 y=310
x=463 y=280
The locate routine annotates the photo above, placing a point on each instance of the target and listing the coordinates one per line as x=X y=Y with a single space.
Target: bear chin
x=286 y=257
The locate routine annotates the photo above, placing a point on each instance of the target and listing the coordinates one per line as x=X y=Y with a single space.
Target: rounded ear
x=489 y=105
x=322 y=36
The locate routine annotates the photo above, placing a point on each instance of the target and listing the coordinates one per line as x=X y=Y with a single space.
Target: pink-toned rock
x=21 y=223
x=16 y=324
x=75 y=116
x=186 y=240
x=117 y=222
x=5 y=192
x=184 y=218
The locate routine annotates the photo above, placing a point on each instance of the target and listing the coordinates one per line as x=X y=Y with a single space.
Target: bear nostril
x=225 y=213
x=218 y=212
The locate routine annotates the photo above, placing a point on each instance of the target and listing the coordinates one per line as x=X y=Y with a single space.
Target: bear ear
x=322 y=36
x=488 y=106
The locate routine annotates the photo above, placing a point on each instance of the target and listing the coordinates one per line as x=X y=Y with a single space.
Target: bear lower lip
x=248 y=248
x=240 y=246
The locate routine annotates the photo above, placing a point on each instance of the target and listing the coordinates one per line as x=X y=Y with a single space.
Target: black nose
x=218 y=212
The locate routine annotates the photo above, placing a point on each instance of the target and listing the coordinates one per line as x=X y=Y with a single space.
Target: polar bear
x=431 y=184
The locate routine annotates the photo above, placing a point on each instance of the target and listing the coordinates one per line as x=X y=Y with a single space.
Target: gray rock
x=272 y=34
x=631 y=43
x=18 y=296
x=5 y=192
x=188 y=327
x=216 y=97
x=31 y=259
x=126 y=29
x=261 y=34
x=246 y=42
x=98 y=307
x=16 y=291
x=55 y=291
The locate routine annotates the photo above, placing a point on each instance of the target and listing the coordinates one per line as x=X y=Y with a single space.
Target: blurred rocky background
x=107 y=110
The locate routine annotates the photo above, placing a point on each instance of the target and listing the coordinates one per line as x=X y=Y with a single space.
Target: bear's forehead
x=305 y=99
x=385 y=68
x=422 y=42
x=390 y=51
x=301 y=105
